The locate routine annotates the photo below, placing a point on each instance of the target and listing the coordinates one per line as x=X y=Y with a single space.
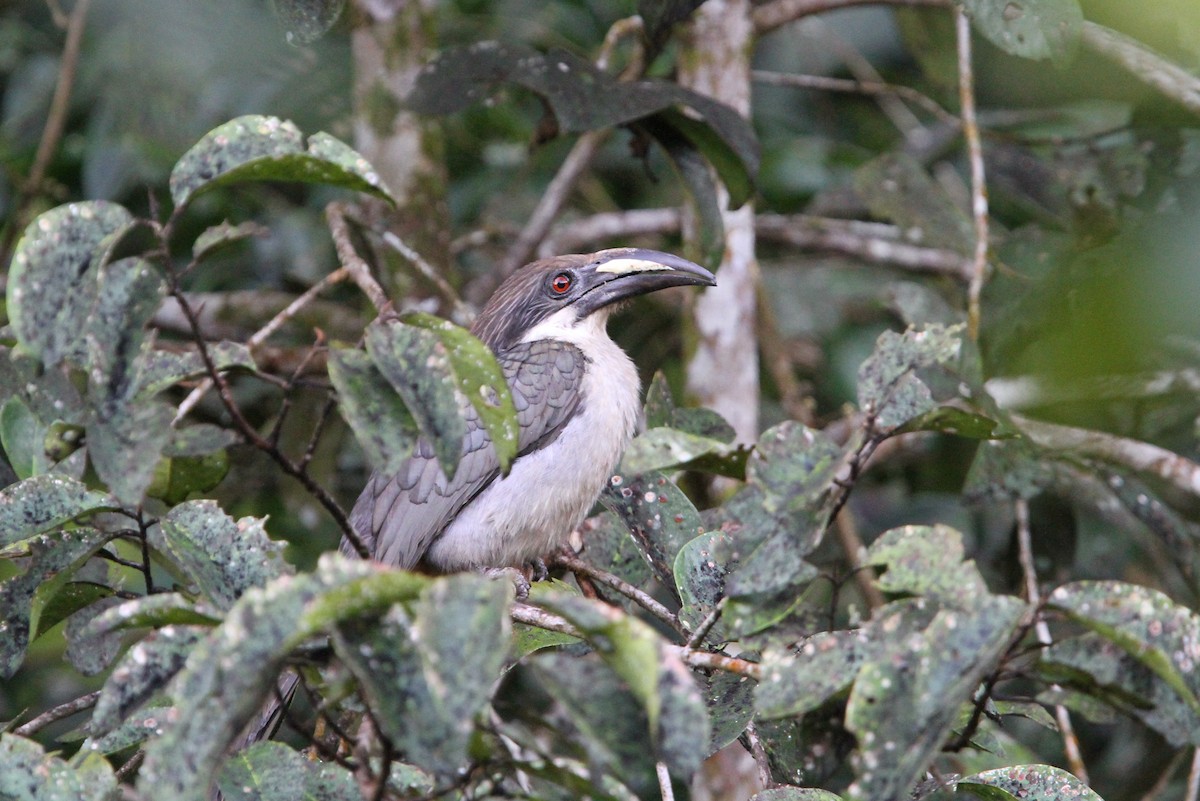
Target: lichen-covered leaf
x=27 y=773
x=257 y=148
x=659 y=516
x=1160 y=633
x=904 y=704
x=794 y=465
x=125 y=447
x=730 y=700
x=1038 y=29
x=821 y=666
x=700 y=570
x=927 y=561
x=427 y=676
x=160 y=369
x=795 y=794
x=156 y=611
x=41 y=503
x=230 y=672
x=23 y=438
x=52 y=559
x=141 y=673
x=1098 y=667
x=416 y=363
x=888 y=385
x=91 y=651
x=480 y=380
x=1005 y=469
x=1027 y=783
x=374 y=410
x=307 y=20
x=225 y=558
x=274 y=772
x=52 y=280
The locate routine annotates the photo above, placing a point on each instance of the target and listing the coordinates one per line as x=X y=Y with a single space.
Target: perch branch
x=641 y=598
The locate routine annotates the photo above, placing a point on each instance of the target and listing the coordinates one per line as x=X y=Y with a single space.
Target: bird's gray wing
x=398 y=516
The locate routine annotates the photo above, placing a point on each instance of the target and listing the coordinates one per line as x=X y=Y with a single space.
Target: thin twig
x=360 y=271
x=761 y=759
x=59 y=712
x=706 y=625
x=131 y=765
x=979 y=198
x=769 y=16
x=852 y=546
x=462 y=312
x=1193 y=784
x=1042 y=632
x=664 y=781
x=826 y=83
x=552 y=200
x=259 y=337
x=640 y=597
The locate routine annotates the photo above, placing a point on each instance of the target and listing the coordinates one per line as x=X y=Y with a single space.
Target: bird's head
x=561 y=293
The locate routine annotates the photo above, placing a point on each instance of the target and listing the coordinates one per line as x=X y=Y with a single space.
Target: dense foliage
x=959 y=558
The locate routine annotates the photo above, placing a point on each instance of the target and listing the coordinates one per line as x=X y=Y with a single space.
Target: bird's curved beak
x=622 y=273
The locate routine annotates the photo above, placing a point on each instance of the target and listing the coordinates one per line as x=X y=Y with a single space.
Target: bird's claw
x=538 y=570
x=517 y=577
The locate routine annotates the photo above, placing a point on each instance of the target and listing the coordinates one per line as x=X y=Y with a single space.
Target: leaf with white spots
x=1037 y=29
x=274 y=772
x=658 y=514
x=141 y=673
x=41 y=503
x=1148 y=625
x=1027 y=783
x=52 y=281
x=672 y=449
x=927 y=561
x=374 y=410
x=231 y=671
x=904 y=704
x=257 y=148
x=52 y=559
x=225 y=558
x=426 y=675
x=479 y=379
x=27 y=773
x=890 y=384
x=795 y=794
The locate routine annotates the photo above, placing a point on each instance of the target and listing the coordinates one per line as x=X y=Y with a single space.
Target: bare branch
x=769 y=16
x=853 y=548
x=979 y=198
x=1149 y=67
x=583 y=234
x=56 y=714
x=1026 y=391
x=461 y=312
x=826 y=83
x=360 y=271
x=641 y=598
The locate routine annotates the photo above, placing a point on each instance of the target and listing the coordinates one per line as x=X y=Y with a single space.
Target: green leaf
x=730 y=700
x=703 y=194
x=427 y=676
x=954 y=421
x=89 y=650
x=722 y=141
x=27 y=773
x=161 y=369
x=218 y=236
x=700 y=569
x=231 y=671
x=1037 y=29
x=658 y=514
x=224 y=558
x=821 y=666
x=178 y=477
x=671 y=449
x=257 y=148
x=52 y=281
x=274 y=772
x=480 y=380
x=23 y=439
x=795 y=794
x=374 y=410
x=52 y=559
x=73 y=596
x=41 y=503
x=1027 y=783
x=888 y=385
x=1145 y=623
x=156 y=611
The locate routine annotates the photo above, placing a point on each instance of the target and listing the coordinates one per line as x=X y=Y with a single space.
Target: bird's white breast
x=557 y=484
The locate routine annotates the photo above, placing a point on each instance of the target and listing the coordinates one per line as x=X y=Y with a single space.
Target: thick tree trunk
x=723 y=373
x=390 y=42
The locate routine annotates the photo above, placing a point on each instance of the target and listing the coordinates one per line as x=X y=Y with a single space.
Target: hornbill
x=577 y=396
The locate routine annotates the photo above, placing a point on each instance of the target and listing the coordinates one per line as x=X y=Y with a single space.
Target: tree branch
x=360 y=271
x=56 y=714
x=641 y=598
x=769 y=16
x=979 y=198
x=1147 y=66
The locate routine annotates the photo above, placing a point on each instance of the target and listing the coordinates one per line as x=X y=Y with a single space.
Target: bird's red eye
x=560 y=283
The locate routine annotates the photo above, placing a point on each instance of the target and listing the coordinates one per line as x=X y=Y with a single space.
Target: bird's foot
x=517 y=577
x=537 y=570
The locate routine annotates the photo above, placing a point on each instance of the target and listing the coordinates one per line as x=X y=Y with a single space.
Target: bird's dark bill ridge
x=623 y=273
